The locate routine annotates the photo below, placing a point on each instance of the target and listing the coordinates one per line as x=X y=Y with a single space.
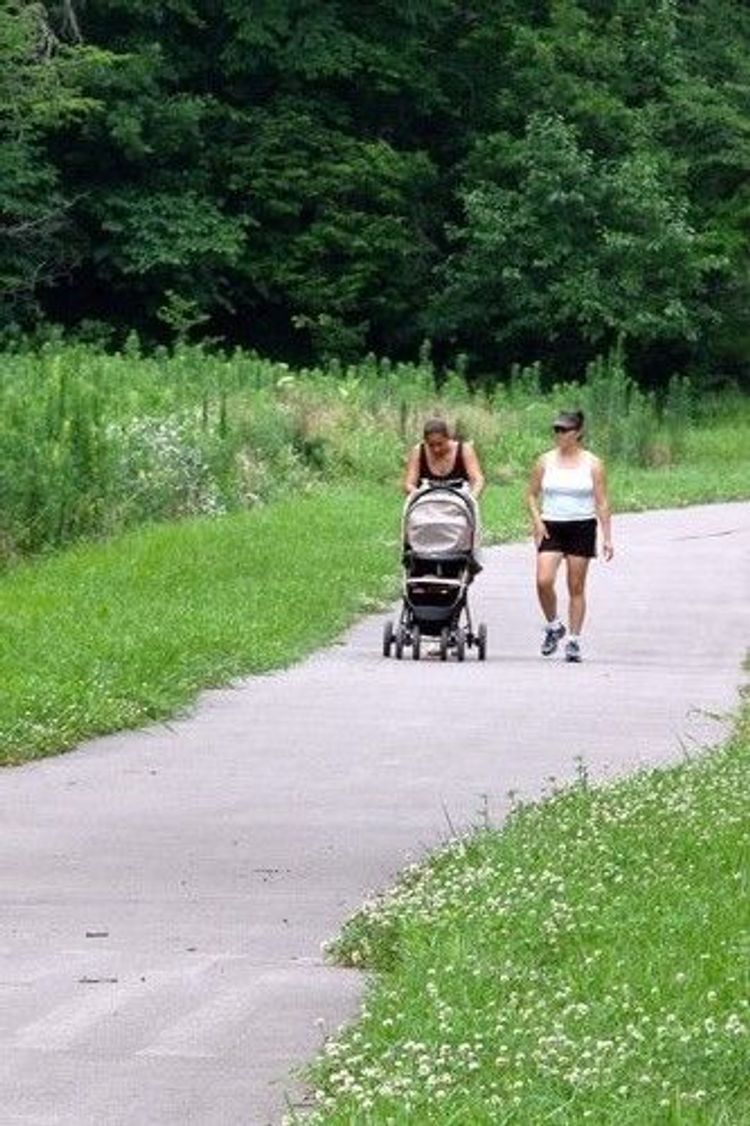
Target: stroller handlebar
x=457 y=484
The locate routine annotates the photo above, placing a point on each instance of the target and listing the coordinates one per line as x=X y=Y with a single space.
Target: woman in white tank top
x=567 y=496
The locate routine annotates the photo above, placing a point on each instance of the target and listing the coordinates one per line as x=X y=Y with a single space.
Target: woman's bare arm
x=473 y=470
x=411 y=476
x=539 y=528
x=601 y=503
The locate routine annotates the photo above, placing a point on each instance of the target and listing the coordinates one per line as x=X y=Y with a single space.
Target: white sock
x=555 y=624
x=574 y=637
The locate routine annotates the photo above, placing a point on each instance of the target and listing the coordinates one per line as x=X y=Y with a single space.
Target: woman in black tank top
x=457 y=471
x=440 y=459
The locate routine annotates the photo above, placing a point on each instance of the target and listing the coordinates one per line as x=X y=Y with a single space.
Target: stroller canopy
x=440 y=521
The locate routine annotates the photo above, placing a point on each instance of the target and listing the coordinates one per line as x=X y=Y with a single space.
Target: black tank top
x=456 y=473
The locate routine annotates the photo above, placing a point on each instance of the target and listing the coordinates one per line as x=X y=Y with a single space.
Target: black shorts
x=571 y=537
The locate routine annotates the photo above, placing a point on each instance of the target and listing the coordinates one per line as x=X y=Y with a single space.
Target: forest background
x=518 y=180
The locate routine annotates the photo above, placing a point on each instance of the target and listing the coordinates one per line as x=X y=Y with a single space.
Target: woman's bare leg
x=547 y=564
x=577 y=567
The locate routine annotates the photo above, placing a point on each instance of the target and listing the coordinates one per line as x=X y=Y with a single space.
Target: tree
x=705 y=123
x=41 y=88
x=563 y=245
x=314 y=177
x=582 y=218
x=262 y=161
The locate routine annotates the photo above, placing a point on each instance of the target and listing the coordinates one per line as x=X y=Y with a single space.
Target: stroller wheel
x=416 y=643
x=460 y=643
x=399 y=644
x=445 y=639
x=387 y=638
x=482 y=641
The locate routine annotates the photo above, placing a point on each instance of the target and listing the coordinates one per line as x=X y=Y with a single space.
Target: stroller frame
x=435 y=588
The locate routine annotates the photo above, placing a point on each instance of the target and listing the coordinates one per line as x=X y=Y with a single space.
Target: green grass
x=715 y=465
x=111 y=635
x=590 y=962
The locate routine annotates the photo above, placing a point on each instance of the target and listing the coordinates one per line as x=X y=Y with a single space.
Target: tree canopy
x=515 y=180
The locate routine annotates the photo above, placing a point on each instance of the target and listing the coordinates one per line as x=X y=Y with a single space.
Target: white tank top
x=567 y=491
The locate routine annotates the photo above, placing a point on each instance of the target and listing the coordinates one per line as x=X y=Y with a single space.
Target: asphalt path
x=164 y=894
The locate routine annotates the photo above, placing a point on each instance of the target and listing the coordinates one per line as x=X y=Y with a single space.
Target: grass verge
x=587 y=963
x=112 y=635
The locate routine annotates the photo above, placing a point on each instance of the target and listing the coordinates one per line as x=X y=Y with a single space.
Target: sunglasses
x=564 y=429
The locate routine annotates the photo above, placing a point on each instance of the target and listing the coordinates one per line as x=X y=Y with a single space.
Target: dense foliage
x=516 y=180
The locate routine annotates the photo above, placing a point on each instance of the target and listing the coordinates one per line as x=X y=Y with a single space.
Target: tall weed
x=623 y=419
x=93 y=443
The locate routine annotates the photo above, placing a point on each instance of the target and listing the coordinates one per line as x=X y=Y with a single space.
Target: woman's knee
x=545 y=582
x=577 y=586
x=577 y=571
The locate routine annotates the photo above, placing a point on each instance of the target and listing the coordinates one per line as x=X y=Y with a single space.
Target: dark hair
x=436 y=426
x=574 y=420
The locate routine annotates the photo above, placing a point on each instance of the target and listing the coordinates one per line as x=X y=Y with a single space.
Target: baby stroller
x=440 y=531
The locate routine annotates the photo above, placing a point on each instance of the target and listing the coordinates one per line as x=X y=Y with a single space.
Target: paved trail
x=164 y=893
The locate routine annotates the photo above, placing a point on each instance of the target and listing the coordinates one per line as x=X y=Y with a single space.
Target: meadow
x=167 y=518
x=93 y=444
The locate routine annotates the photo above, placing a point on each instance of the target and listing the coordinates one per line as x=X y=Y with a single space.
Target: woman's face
x=438 y=444
x=566 y=437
